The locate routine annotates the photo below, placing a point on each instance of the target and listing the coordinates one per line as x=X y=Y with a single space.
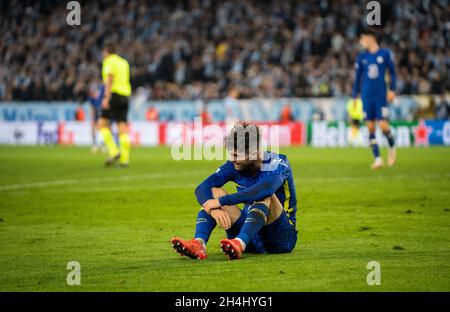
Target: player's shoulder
x=226 y=169
x=121 y=59
x=275 y=163
x=360 y=59
x=109 y=58
x=386 y=52
x=114 y=59
x=361 y=55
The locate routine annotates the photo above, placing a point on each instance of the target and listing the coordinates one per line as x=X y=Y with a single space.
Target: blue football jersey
x=274 y=165
x=370 y=73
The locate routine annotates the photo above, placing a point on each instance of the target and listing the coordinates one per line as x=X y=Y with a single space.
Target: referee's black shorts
x=355 y=122
x=118 y=108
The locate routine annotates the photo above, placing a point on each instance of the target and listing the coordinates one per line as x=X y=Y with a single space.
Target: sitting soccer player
x=265 y=185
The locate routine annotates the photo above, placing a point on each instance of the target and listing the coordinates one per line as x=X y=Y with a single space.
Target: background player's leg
x=94 y=130
x=353 y=132
x=108 y=138
x=385 y=128
x=378 y=162
x=124 y=143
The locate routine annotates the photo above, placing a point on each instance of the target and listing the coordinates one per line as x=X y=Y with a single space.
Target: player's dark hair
x=243 y=139
x=369 y=32
x=109 y=46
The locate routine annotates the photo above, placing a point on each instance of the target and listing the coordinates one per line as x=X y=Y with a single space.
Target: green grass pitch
x=57 y=204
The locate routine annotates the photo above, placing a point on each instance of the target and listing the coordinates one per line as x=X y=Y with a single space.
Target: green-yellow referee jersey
x=119 y=68
x=355 y=109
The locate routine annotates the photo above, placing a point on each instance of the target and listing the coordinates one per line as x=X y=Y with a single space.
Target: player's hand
x=390 y=96
x=211 y=204
x=222 y=218
x=105 y=103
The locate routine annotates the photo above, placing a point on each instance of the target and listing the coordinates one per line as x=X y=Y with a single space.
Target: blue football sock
x=255 y=220
x=390 y=138
x=234 y=230
x=205 y=225
x=374 y=145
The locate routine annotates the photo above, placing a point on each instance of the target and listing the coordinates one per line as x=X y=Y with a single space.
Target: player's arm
x=203 y=192
x=107 y=92
x=392 y=77
x=263 y=189
x=359 y=70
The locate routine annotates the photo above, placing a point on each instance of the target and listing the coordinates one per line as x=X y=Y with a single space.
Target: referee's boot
x=111 y=161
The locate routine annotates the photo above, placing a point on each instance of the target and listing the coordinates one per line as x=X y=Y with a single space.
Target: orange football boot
x=191 y=248
x=232 y=248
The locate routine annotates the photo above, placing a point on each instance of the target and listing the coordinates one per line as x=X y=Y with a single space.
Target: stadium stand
x=198 y=49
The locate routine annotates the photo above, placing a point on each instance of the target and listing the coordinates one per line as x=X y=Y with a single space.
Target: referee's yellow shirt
x=119 y=68
x=355 y=111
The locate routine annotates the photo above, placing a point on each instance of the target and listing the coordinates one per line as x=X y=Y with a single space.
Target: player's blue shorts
x=278 y=237
x=375 y=108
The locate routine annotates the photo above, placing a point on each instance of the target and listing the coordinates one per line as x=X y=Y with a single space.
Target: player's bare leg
x=378 y=162
x=392 y=157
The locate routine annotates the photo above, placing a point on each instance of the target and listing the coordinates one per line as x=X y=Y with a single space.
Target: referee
x=116 y=78
x=356 y=118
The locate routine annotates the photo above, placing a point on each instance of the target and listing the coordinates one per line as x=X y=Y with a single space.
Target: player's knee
x=384 y=125
x=123 y=127
x=218 y=192
x=102 y=124
x=265 y=202
x=261 y=207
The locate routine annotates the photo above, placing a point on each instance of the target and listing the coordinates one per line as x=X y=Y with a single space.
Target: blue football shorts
x=375 y=108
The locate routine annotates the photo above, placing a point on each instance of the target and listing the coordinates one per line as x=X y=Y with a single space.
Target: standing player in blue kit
x=370 y=81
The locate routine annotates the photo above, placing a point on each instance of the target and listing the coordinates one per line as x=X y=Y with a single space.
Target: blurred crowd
x=200 y=49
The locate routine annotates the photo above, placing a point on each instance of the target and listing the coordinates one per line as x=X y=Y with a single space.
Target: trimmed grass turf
x=58 y=204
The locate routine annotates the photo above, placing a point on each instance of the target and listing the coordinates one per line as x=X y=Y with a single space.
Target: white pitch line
x=104 y=179
x=12 y=187
x=123 y=188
